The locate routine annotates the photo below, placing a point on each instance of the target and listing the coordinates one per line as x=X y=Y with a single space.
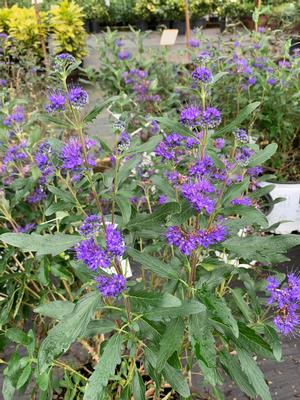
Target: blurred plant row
x=124 y=12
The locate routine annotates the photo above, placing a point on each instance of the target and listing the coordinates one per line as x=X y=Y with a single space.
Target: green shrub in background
x=94 y=9
x=68 y=30
x=121 y=11
x=200 y=8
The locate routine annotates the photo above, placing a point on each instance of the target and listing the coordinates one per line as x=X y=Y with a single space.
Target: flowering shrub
x=252 y=69
x=154 y=260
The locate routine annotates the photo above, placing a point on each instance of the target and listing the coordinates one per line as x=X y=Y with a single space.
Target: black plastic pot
x=165 y=24
x=180 y=25
x=88 y=26
x=198 y=23
x=295 y=45
x=95 y=24
x=222 y=24
x=141 y=25
x=214 y=20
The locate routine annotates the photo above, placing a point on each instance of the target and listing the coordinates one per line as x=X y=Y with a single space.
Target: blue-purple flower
x=286 y=298
x=17 y=117
x=124 y=55
x=111 y=286
x=202 y=74
x=57 y=102
x=78 y=97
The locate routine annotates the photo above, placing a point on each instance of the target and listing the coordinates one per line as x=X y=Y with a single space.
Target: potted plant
x=199 y=10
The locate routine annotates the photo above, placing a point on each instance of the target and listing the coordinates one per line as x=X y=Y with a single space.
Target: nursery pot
x=141 y=25
x=248 y=22
x=222 y=24
x=213 y=19
x=198 y=23
x=287 y=210
x=88 y=26
x=180 y=25
x=295 y=45
x=95 y=26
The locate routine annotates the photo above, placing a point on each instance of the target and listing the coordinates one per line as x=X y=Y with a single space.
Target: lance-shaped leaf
x=170 y=342
x=42 y=244
x=244 y=114
x=263 y=155
x=254 y=375
x=68 y=330
x=105 y=369
x=153 y=264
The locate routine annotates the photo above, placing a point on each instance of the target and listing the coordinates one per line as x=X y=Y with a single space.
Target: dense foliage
x=152 y=255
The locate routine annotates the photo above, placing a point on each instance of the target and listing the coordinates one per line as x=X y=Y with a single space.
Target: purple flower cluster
x=124 y=55
x=241 y=135
x=43 y=162
x=202 y=74
x=95 y=256
x=194 y=43
x=194 y=116
x=169 y=148
x=72 y=154
x=16 y=117
x=187 y=242
x=111 y=286
x=27 y=228
x=196 y=194
x=136 y=78
x=242 y=201
x=76 y=96
x=37 y=196
x=15 y=153
x=287 y=300
x=57 y=102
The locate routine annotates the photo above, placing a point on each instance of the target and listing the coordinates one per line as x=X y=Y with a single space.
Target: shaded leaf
x=105 y=369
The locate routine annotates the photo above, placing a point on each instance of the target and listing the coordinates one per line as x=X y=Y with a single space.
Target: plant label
x=168 y=37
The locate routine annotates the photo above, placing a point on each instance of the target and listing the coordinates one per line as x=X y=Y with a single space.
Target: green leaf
x=138 y=386
x=252 y=215
x=42 y=244
x=249 y=340
x=8 y=389
x=152 y=263
x=125 y=207
x=25 y=375
x=186 y=308
x=55 y=309
x=171 y=375
x=97 y=110
x=157 y=217
x=43 y=381
x=241 y=303
x=254 y=375
x=99 y=326
x=105 y=369
x=126 y=169
x=170 y=342
x=68 y=330
x=176 y=380
x=17 y=336
x=220 y=309
x=61 y=194
x=174 y=126
x=244 y=114
x=266 y=249
x=236 y=190
x=218 y=76
x=274 y=341
x=263 y=155
x=204 y=342
x=147 y=147
x=233 y=369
